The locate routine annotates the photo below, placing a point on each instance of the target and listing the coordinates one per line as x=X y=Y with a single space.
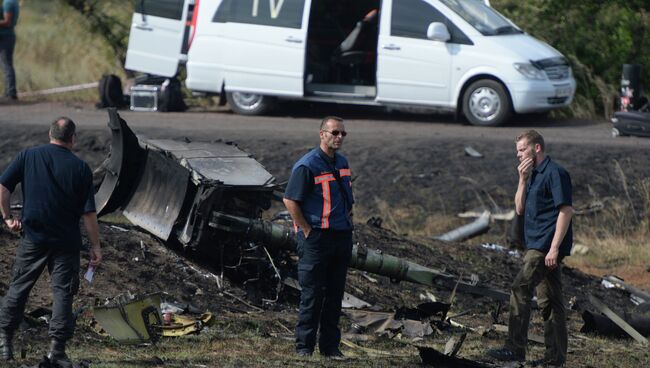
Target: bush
x=597 y=36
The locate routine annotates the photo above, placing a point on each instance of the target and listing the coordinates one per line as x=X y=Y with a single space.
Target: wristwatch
x=5 y=218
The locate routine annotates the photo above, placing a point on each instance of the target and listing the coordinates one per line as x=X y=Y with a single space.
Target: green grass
x=54 y=48
x=257 y=340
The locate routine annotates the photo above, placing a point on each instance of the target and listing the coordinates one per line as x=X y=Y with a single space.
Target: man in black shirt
x=57 y=191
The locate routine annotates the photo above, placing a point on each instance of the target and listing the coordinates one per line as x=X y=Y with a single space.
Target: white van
x=454 y=55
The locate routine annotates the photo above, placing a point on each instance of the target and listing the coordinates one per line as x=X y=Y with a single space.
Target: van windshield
x=482 y=17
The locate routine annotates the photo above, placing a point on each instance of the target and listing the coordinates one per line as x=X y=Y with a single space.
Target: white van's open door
x=156 y=38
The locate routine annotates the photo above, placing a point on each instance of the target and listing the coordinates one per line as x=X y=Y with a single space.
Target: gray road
x=298 y=121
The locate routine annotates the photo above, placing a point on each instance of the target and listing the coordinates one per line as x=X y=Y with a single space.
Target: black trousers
x=63 y=266
x=7 y=45
x=322 y=269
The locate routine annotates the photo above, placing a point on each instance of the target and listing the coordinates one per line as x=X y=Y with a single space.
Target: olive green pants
x=534 y=275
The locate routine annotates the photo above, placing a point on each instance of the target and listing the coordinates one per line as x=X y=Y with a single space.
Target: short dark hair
x=328 y=118
x=62 y=129
x=531 y=136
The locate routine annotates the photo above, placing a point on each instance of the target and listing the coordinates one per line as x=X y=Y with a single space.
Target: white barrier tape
x=76 y=87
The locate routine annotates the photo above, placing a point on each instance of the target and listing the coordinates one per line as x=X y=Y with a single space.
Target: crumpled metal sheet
x=221 y=162
x=121 y=168
x=184 y=325
x=382 y=322
x=159 y=195
x=131 y=321
x=351 y=301
x=432 y=357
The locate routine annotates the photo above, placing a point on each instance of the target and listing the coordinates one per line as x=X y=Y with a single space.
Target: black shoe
x=6 y=345
x=335 y=355
x=60 y=361
x=304 y=353
x=57 y=356
x=506 y=355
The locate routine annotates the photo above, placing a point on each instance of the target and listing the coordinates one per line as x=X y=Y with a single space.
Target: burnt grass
x=423 y=177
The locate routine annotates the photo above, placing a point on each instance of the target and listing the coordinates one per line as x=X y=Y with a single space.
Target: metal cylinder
x=369 y=260
x=604 y=326
x=266 y=232
x=479 y=226
x=630 y=87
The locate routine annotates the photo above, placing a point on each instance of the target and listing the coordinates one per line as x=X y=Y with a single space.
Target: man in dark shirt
x=319 y=200
x=544 y=199
x=9 y=11
x=57 y=190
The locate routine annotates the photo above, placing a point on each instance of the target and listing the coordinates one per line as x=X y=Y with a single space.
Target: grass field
x=54 y=48
x=258 y=340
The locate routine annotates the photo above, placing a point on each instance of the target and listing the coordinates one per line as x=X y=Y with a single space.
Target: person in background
x=10 y=12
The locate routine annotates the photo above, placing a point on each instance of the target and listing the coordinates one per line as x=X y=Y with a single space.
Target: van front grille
x=557 y=72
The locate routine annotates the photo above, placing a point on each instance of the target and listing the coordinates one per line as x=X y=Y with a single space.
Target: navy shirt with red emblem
x=323 y=187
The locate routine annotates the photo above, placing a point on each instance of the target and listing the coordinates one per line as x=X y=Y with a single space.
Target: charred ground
x=409 y=185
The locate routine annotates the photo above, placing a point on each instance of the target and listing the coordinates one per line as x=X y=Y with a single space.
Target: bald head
x=62 y=130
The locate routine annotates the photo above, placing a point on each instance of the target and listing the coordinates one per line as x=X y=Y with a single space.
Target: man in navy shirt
x=544 y=199
x=319 y=200
x=10 y=11
x=57 y=190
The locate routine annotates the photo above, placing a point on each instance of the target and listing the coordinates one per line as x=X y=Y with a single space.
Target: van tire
x=486 y=103
x=110 y=92
x=249 y=103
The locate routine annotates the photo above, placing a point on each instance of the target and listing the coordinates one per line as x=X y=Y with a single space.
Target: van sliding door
x=156 y=36
x=263 y=45
x=410 y=67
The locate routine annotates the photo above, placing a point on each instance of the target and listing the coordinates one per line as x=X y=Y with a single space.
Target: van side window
x=172 y=9
x=277 y=13
x=411 y=18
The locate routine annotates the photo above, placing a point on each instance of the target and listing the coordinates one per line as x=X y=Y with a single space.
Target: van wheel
x=486 y=103
x=617 y=133
x=249 y=103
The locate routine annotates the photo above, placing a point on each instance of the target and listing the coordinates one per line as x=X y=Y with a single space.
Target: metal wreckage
x=210 y=197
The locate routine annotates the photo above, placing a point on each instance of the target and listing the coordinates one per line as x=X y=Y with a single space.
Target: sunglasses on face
x=335 y=133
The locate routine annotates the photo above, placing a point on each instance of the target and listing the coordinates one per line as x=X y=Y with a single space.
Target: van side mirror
x=438 y=32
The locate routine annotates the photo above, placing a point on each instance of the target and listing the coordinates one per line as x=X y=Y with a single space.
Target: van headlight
x=530 y=71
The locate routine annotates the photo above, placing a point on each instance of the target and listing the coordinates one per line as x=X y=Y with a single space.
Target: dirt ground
x=409 y=185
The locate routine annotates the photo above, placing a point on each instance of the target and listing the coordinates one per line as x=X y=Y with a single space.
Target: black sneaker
x=60 y=360
x=304 y=353
x=506 y=355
